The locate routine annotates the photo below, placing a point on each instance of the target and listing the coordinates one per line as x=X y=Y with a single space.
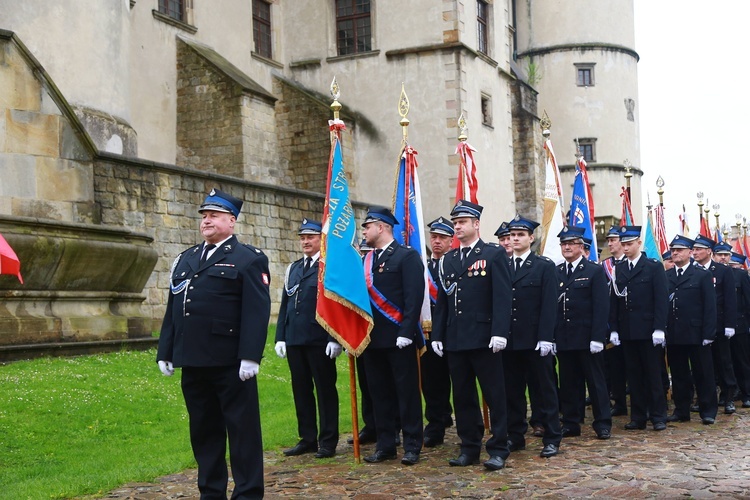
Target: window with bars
x=262 y=28
x=353 y=26
x=482 y=26
x=173 y=8
x=585 y=75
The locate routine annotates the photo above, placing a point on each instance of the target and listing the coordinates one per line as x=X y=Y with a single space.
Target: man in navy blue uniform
x=436 y=380
x=691 y=329
x=396 y=284
x=614 y=358
x=638 y=319
x=311 y=352
x=503 y=238
x=726 y=320
x=580 y=334
x=471 y=325
x=215 y=329
x=740 y=343
x=529 y=357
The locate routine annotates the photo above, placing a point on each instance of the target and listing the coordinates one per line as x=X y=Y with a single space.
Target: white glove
x=596 y=347
x=281 y=349
x=544 y=348
x=166 y=367
x=498 y=343
x=707 y=342
x=248 y=369
x=554 y=349
x=333 y=350
x=729 y=332
x=614 y=337
x=402 y=342
x=658 y=338
x=437 y=346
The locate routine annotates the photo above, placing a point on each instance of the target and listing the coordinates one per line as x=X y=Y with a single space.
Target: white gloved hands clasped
x=614 y=337
x=729 y=332
x=280 y=349
x=498 y=343
x=166 y=367
x=333 y=350
x=402 y=342
x=437 y=346
x=545 y=348
x=658 y=338
x=596 y=347
x=248 y=369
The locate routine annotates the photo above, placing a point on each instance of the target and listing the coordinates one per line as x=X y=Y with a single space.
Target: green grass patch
x=85 y=425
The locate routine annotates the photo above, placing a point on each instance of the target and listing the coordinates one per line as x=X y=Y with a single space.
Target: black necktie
x=679 y=272
x=378 y=253
x=206 y=249
x=308 y=263
x=518 y=263
x=570 y=269
x=631 y=266
x=465 y=253
x=434 y=263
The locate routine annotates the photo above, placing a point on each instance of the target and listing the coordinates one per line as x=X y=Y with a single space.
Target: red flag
x=660 y=229
x=9 y=263
x=466 y=184
x=626 y=219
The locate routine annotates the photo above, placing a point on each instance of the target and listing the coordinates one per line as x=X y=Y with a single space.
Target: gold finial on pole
x=738 y=222
x=700 y=205
x=403 y=110
x=707 y=210
x=463 y=128
x=660 y=190
x=716 y=214
x=335 y=105
x=628 y=173
x=546 y=125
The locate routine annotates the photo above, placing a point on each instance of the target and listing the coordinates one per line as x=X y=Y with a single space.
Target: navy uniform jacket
x=299 y=297
x=692 y=307
x=582 y=306
x=726 y=297
x=742 y=288
x=534 y=308
x=644 y=308
x=399 y=277
x=217 y=313
x=478 y=307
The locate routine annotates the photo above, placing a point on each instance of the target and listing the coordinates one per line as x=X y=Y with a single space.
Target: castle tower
x=580 y=56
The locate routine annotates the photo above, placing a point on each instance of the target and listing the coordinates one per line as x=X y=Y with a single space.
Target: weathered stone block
x=33 y=133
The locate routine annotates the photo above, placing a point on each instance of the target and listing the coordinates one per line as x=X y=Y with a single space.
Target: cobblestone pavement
x=687 y=460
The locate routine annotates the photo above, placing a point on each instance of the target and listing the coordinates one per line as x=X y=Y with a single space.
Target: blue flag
x=580 y=213
x=649 y=241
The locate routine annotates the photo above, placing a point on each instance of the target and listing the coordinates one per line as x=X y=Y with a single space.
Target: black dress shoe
x=746 y=403
x=695 y=408
x=729 y=408
x=325 y=453
x=708 y=420
x=301 y=448
x=677 y=418
x=618 y=412
x=659 y=426
x=410 y=458
x=463 y=461
x=431 y=442
x=380 y=456
x=633 y=425
x=570 y=432
x=365 y=437
x=604 y=434
x=538 y=430
x=516 y=446
x=549 y=450
x=494 y=463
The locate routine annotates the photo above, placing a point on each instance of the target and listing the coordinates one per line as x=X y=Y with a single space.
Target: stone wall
x=528 y=145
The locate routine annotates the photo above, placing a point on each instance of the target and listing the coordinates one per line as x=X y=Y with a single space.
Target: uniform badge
x=213 y=192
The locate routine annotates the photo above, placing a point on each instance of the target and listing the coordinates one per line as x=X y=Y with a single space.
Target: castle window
x=486 y=110
x=585 y=75
x=353 y=26
x=587 y=147
x=262 y=28
x=482 y=26
x=174 y=9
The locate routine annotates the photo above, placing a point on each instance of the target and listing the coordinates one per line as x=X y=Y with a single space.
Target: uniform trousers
x=368 y=414
x=723 y=366
x=220 y=404
x=616 y=377
x=740 y=347
x=436 y=389
x=644 y=361
x=577 y=369
x=466 y=367
x=313 y=371
x=393 y=380
x=525 y=365
x=692 y=364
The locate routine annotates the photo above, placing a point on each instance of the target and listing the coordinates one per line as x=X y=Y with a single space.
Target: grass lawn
x=85 y=425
